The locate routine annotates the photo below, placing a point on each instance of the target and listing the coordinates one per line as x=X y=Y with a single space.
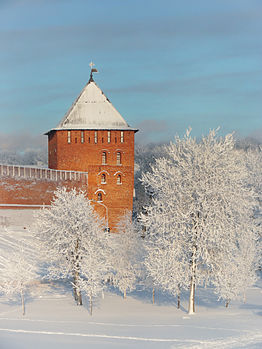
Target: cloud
x=211 y=83
x=257 y=135
x=21 y=142
x=151 y=130
x=105 y=34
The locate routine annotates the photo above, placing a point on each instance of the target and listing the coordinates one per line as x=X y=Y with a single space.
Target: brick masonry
x=22 y=191
x=88 y=151
x=85 y=153
x=35 y=186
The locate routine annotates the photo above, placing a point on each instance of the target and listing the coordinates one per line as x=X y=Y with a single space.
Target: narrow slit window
x=88 y=139
x=115 y=140
x=108 y=136
x=122 y=137
x=104 y=158
x=118 y=158
x=119 y=180
x=102 y=139
x=68 y=136
x=95 y=136
x=99 y=197
x=103 y=179
x=82 y=137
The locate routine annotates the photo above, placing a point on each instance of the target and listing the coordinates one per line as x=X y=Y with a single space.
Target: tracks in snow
x=232 y=342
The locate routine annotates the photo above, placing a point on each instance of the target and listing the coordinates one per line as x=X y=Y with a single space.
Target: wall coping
x=40 y=173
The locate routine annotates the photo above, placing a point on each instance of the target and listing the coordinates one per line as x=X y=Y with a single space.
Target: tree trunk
x=227 y=303
x=77 y=292
x=91 y=305
x=191 y=307
x=79 y=297
x=23 y=302
x=125 y=294
x=178 y=301
x=153 y=296
x=194 y=302
x=244 y=297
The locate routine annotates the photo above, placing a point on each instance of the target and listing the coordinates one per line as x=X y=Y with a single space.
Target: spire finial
x=93 y=70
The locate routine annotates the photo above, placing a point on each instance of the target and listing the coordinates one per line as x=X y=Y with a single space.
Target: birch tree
x=200 y=202
x=73 y=239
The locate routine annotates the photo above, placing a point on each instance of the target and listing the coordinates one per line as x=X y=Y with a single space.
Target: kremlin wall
x=92 y=148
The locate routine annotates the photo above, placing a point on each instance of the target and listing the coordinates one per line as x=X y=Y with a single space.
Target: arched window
x=103 y=158
x=118 y=158
x=99 y=197
x=118 y=179
x=103 y=178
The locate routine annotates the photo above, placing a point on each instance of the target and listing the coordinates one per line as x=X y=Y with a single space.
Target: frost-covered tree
x=144 y=156
x=233 y=275
x=166 y=266
x=74 y=240
x=200 y=202
x=16 y=275
x=127 y=254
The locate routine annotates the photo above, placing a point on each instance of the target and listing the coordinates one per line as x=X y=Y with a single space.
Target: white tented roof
x=92 y=110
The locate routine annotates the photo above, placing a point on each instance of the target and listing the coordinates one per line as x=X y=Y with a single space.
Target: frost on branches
x=200 y=218
x=126 y=256
x=74 y=242
x=16 y=275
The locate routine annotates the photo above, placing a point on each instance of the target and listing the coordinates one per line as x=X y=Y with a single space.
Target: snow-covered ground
x=53 y=320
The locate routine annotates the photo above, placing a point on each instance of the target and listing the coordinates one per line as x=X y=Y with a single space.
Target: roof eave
x=92 y=128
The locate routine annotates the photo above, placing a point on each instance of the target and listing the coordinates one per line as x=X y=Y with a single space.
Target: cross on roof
x=91 y=64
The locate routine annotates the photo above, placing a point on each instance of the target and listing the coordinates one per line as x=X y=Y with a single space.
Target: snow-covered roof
x=92 y=110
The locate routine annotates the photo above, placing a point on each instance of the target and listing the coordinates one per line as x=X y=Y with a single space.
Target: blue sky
x=165 y=65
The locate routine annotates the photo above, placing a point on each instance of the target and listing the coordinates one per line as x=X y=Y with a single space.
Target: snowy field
x=53 y=320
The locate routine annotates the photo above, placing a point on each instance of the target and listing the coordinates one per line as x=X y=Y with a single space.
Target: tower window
x=103 y=179
x=118 y=158
x=102 y=139
x=75 y=140
x=82 y=137
x=108 y=136
x=119 y=180
x=115 y=140
x=95 y=136
x=88 y=139
x=68 y=136
x=122 y=137
x=99 y=197
x=104 y=158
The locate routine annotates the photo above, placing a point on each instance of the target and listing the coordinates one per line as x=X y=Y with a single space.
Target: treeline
x=36 y=157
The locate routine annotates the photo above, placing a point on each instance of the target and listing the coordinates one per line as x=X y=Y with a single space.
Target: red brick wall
x=87 y=156
x=31 y=191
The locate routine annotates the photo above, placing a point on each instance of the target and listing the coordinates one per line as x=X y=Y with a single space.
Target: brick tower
x=93 y=137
